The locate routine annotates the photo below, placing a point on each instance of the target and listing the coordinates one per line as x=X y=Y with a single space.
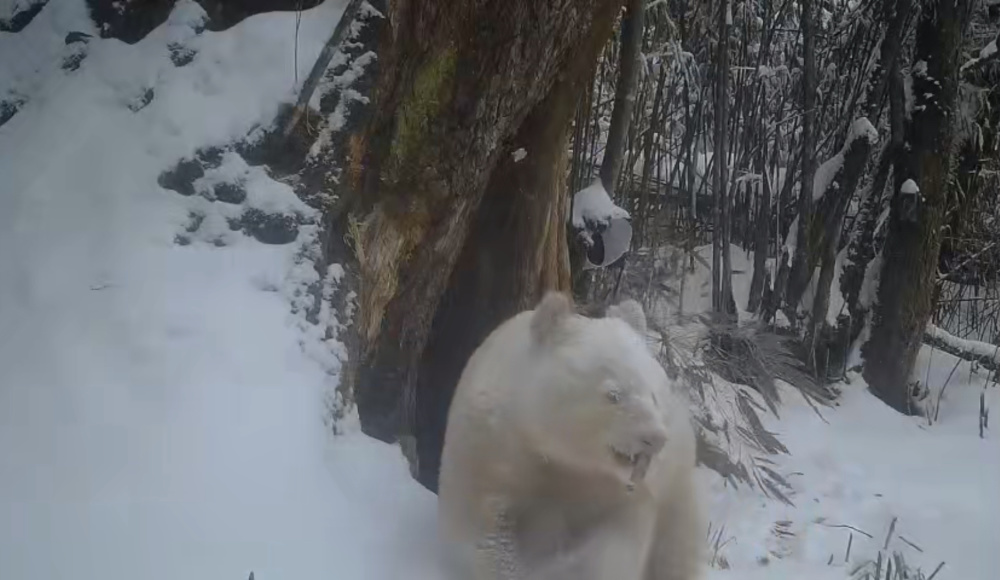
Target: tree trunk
x=887 y=80
x=763 y=219
x=763 y=224
x=895 y=15
x=453 y=233
x=649 y=160
x=722 y=277
x=621 y=113
x=800 y=273
x=830 y=219
x=914 y=237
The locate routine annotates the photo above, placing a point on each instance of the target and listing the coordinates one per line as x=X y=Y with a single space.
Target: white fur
x=631 y=312
x=529 y=485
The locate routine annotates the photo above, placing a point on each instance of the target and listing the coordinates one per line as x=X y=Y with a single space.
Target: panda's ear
x=550 y=316
x=631 y=312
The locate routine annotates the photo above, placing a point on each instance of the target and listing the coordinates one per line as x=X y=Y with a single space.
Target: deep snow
x=159 y=417
x=161 y=405
x=865 y=467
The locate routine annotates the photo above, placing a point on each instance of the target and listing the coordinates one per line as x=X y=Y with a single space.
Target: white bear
x=568 y=454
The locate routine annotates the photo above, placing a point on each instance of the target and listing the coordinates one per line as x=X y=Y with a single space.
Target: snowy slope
x=159 y=417
x=860 y=465
x=863 y=467
x=161 y=405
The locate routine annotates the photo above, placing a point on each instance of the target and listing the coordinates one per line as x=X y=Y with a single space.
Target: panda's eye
x=615 y=396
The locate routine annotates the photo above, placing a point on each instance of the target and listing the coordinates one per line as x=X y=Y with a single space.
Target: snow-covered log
x=984 y=353
x=988 y=53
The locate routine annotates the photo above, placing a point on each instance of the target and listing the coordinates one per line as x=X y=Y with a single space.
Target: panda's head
x=599 y=391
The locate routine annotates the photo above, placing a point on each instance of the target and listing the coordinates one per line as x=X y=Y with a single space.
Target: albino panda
x=568 y=454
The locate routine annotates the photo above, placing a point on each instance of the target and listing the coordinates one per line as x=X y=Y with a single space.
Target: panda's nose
x=653 y=440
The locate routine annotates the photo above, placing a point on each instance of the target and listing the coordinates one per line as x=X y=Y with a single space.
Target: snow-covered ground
x=159 y=417
x=865 y=466
x=161 y=404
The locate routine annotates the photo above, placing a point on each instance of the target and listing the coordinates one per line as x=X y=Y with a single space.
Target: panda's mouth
x=636 y=463
x=624 y=459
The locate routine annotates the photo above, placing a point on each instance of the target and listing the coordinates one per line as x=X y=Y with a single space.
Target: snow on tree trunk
x=913 y=242
x=988 y=53
x=836 y=181
x=888 y=81
x=453 y=232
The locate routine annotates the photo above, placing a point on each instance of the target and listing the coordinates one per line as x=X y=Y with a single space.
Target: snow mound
x=862 y=128
x=593 y=206
x=602 y=225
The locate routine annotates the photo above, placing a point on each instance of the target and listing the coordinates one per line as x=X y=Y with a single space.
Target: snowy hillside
x=159 y=416
x=162 y=389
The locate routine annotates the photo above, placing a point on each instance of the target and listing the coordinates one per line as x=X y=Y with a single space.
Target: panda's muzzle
x=639 y=460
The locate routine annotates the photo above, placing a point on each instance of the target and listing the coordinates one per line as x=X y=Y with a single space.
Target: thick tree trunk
x=887 y=80
x=914 y=237
x=621 y=112
x=454 y=233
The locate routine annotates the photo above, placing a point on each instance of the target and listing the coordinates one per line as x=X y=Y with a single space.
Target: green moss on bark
x=431 y=89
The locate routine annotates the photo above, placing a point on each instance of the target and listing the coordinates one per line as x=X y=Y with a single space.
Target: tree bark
x=763 y=224
x=887 y=80
x=452 y=233
x=722 y=277
x=914 y=237
x=621 y=112
x=650 y=160
x=800 y=273
x=763 y=218
x=830 y=218
x=896 y=14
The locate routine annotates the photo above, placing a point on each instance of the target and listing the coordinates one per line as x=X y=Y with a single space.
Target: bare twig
x=860 y=531
x=888 y=536
x=936 y=570
x=912 y=545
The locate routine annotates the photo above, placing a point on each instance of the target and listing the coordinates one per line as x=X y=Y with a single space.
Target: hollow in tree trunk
x=453 y=232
